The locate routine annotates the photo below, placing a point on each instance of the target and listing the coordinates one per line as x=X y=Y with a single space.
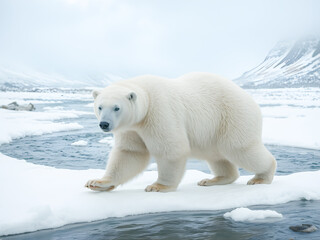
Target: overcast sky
x=165 y=37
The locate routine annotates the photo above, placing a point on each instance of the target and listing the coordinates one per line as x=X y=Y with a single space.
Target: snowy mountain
x=25 y=79
x=288 y=64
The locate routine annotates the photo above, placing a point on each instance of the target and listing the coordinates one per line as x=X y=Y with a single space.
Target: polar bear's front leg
x=122 y=166
x=170 y=173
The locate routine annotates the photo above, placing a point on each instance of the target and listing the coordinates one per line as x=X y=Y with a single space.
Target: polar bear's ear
x=95 y=93
x=132 y=96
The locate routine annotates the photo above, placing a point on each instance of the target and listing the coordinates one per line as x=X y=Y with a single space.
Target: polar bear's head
x=116 y=107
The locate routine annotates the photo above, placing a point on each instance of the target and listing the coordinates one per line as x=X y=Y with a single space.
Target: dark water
x=56 y=150
x=191 y=225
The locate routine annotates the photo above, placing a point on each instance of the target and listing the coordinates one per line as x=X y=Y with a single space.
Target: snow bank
x=80 y=143
x=245 y=214
x=45 y=197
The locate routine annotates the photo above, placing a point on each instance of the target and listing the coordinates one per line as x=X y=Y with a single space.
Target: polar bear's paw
x=220 y=180
x=157 y=187
x=100 y=185
x=255 y=180
x=206 y=182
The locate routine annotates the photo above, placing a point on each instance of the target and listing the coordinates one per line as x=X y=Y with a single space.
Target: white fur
x=198 y=115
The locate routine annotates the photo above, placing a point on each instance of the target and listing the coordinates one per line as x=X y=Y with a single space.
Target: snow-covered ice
x=299 y=131
x=246 y=215
x=46 y=197
x=291 y=116
x=20 y=124
x=17 y=124
x=80 y=143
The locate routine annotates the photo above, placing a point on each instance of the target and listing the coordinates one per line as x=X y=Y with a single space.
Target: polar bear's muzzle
x=105 y=126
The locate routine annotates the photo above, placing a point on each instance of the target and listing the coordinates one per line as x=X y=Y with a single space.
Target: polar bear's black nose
x=104 y=125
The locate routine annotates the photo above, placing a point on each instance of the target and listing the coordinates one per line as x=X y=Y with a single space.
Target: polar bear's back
x=220 y=111
x=211 y=109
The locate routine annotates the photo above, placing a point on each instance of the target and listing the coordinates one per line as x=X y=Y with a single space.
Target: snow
x=18 y=124
x=80 y=143
x=298 y=131
x=290 y=116
x=247 y=215
x=45 y=197
x=53 y=108
x=294 y=97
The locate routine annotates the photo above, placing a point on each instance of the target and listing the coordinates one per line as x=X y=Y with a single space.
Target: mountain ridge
x=288 y=64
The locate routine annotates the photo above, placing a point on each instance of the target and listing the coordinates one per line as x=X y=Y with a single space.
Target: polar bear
x=198 y=115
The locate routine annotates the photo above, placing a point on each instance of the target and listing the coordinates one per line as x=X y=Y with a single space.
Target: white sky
x=162 y=37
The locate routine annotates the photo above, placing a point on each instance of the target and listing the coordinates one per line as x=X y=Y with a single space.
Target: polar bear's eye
x=116 y=109
x=100 y=108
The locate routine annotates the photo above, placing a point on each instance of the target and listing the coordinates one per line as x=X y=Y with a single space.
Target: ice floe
x=20 y=124
x=46 y=197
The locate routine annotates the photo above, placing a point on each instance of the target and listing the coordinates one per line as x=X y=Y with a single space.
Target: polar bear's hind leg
x=256 y=159
x=225 y=173
x=266 y=177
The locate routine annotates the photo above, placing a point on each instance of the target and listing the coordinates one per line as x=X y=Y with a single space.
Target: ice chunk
x=245 y=214
x=80 y=143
